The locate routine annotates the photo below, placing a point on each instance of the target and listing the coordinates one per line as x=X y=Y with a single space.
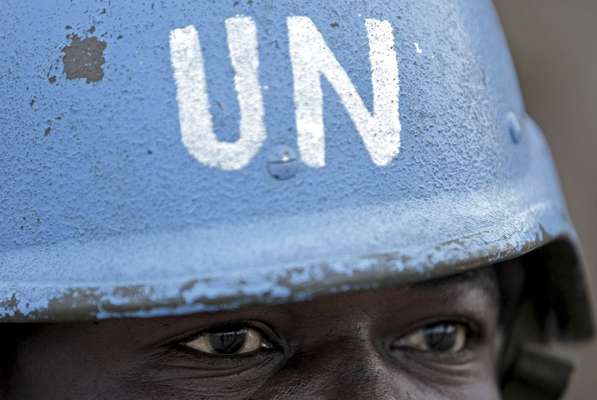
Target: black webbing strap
x=536 y=375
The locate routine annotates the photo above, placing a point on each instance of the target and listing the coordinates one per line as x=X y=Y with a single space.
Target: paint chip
x=84 y=59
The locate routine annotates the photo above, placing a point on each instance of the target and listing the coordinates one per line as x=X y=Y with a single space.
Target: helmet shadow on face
x=432 y=339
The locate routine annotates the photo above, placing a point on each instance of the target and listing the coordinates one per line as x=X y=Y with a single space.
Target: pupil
x=440 y=338
x=227 y=342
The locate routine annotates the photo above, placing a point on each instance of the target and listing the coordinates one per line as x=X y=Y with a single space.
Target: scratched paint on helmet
x=83 y=59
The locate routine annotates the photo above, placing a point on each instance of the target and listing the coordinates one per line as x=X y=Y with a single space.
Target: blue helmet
x=198 y=156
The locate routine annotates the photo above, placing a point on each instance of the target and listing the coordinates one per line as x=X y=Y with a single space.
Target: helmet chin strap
x=528 y=370
x=535 y=374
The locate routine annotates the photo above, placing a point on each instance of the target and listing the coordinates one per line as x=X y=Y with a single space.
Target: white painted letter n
x=311 y=58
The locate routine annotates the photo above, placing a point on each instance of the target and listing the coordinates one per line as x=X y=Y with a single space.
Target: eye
x=230 y=342
x=448 y=338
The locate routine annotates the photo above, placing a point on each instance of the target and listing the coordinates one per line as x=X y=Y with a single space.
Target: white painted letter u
x=196 y=122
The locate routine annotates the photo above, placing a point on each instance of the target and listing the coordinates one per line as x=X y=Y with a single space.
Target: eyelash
x=475 y=330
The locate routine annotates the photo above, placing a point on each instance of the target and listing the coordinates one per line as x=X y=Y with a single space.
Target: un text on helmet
x=311 y=58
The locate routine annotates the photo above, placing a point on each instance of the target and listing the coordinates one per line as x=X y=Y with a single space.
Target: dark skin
x=427 y=341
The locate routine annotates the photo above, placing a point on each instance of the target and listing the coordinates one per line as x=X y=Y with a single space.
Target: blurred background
x=554 y=44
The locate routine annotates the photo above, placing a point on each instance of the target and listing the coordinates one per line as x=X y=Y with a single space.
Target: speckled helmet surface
x=163 y=158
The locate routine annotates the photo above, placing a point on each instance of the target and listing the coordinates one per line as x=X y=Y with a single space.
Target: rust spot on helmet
x=84 y=59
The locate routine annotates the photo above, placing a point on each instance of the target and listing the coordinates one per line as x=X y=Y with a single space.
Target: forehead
x=478 y=288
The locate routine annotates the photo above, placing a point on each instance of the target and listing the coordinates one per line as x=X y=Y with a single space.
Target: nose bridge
x=349 y=367
x=365 y=375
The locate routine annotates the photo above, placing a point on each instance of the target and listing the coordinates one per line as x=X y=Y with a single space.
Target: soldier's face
x=430 y=341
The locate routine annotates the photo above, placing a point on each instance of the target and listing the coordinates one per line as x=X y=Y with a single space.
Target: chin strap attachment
x=536 y=374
